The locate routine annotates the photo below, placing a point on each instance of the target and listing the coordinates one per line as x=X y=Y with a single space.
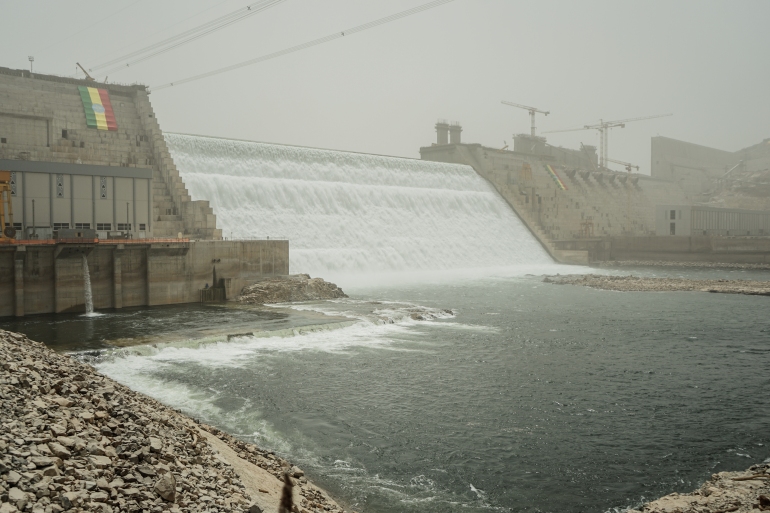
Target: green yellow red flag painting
x=98 y=109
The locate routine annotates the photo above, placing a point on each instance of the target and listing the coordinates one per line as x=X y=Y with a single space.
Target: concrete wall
x=690 y=249
x=49 y=278
x=42 y=121
x=594 y=203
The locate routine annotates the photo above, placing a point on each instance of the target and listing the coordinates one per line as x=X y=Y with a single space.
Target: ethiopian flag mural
x=556 y=177
x=96 y=103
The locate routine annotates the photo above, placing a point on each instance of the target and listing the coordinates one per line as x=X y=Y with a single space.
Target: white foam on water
x=357 y=216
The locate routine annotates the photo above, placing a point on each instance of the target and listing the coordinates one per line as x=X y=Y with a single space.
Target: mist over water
x=348 y=213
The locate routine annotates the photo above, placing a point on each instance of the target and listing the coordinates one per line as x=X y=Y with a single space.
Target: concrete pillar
x=442 y=129
x=454 y=133
x=18 y=281
x=117 y=277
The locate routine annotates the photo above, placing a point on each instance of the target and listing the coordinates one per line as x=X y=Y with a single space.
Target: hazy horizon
x=381 y=91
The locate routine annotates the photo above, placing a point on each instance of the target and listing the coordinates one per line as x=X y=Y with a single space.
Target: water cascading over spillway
x=354 y=213
x=87 y=287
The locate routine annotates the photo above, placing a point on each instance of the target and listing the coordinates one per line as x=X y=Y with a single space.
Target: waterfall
x=87 y=284
x=351 y=213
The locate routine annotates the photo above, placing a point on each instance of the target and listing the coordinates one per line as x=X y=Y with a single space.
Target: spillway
x=355 y=213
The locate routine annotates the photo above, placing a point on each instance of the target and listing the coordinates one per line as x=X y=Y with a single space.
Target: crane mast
x=532 y=112
x=603 y=127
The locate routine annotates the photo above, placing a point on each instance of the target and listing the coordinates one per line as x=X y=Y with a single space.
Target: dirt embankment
x=72 y=439
x=726 y=492
x=640 y=284
x=285 y=289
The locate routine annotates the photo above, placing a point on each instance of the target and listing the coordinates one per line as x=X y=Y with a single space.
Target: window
x=16 y=226
x=61 y=226
x=64 y=133
x=142 y=227
x=60 y=187
x=124 y=227
x=672 y=215
x=82 y=226
x=82 y=144
x=672 y=228
x=103 y=188
x=104 y=226
x=3 y=140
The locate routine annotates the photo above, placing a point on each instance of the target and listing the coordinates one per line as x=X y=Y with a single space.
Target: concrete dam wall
x=48 y=278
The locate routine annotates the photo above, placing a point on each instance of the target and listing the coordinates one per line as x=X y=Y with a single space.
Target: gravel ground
x=74 y=440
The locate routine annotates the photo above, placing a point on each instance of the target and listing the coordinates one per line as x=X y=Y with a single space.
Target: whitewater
x=351 y=213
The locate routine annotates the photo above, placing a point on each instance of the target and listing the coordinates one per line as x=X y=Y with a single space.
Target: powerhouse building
x=91 y=156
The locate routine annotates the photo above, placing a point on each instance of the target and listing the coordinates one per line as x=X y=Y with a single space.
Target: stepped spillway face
x=350 y=213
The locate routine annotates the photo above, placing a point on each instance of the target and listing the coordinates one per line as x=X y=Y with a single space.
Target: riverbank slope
x=73 y=439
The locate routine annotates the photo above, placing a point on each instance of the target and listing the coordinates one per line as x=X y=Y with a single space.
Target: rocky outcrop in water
x=286 y=289
x=640 y=284
x=740 y=492
x=74 y=440
x=666 y=263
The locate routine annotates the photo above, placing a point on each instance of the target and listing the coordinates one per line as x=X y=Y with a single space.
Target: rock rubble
x=284 y=289
x=696 y=265
x=74 y=440
x=640 y=284
x=739 y=492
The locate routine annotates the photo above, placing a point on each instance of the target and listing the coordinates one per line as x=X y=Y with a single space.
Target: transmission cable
x=187 y=36
x=309 y=44
x=58 y=41
x=164 y=29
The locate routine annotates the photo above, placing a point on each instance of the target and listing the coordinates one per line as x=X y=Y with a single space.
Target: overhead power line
x=164 y=29
x=185 y=37
x=59 y=40
x=309 y=44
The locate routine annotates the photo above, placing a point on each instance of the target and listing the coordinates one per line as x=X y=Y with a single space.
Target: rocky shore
x=740 y=492
x=74 y=440
x=285 y=289
x=640 y=284
x=694 y=265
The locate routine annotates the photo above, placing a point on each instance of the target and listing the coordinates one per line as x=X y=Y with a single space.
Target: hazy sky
x=381 y=91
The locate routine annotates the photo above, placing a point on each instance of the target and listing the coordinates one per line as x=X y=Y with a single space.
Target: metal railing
x=51 y=242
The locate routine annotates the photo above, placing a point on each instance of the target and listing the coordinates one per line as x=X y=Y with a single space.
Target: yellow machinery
x=6 y=205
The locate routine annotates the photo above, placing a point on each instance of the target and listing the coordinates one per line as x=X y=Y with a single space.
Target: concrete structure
x=582 y=213
x=119 y=194
x=561 y=194
x=84 y=177
x=700 y=167
x=48 y=278
x=686 y=221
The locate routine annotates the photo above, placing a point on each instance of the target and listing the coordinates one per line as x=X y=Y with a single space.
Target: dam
x=89 y=174
x=351 y=213
x=86 y=172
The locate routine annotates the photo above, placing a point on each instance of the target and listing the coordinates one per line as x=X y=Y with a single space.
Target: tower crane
x=604 y=128
x=627 y=165
x=532 y=112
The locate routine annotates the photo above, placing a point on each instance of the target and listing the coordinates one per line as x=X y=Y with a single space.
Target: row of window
x=87 y=226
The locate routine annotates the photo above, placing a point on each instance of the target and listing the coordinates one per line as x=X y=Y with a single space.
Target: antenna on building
x=31 y=60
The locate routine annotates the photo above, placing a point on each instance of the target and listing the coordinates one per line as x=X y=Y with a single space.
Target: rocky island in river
x=641 y=284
